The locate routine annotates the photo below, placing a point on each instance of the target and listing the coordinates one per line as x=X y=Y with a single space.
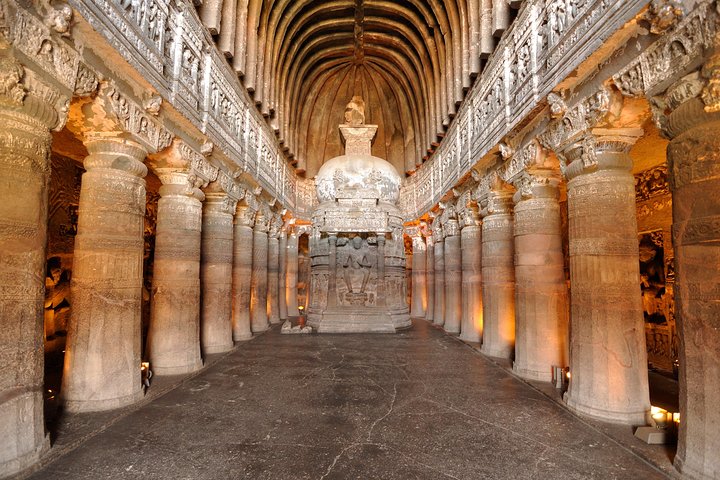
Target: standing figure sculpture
x=357 y=261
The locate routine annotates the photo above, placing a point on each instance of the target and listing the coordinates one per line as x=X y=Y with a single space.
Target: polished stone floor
x=416 y=405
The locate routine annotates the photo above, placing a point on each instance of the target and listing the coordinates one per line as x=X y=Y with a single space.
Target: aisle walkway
x=417 y=405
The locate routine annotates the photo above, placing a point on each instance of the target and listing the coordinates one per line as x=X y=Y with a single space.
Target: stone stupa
x=356 y=248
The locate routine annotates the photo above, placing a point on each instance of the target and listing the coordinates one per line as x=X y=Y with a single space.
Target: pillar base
x=532 y=374
x=688 y=471
x=453 y=331
x=213 y=349
x=635 y=418
x=86 y=406
x=20 y=464
x=242 y=338
x=181 y=370
x=497 y=353
x=469 y=337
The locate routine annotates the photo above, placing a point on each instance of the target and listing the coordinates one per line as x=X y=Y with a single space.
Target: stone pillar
x=453 y=276
x=541 y=323
x=608 y=357
x=282 y=276
x=259 y=286
x=273 y=282
x=430 y=278
x=216 y=271
x=439 y=251
x=24 y=171
x=694 y=165
x=417 y=308
x=242 y=272
x=498 y=276
x=174 y=335
x=102 y=359
x=472 y=304
x=292 y=273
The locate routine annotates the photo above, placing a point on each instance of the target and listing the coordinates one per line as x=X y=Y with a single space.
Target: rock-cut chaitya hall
x=334 y=239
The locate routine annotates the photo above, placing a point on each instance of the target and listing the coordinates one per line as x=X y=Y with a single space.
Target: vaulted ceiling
x=411 y=60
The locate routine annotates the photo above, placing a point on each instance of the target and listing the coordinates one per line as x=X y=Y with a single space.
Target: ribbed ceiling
x=411 y=60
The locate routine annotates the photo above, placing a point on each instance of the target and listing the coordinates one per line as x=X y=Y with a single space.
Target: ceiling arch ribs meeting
x=416 y=59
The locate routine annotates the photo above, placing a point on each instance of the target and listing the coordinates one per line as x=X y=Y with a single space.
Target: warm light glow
x=145 y=366
x=655 y=410
x=301 y=308
x=567 y=374
x=676 y=418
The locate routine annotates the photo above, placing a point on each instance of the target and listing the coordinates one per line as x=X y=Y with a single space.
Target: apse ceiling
x=411 y=60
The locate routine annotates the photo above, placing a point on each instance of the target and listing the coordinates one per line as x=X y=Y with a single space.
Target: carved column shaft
x=216 y=274
x=498 y=274
x=292 y=275
x=541 y=323
x=381 y=287
x=282 y=277
x=242 y=274
x=174 y=336
x=24 y=171
x=102 y=360
x=273 y=295
x=439 y=307
x=430 y=279
x=259 y=286
x=332 y=277
x=608 y=358
x=472 y=304
x=419 y=285
x=453 y=277
x=694 y=161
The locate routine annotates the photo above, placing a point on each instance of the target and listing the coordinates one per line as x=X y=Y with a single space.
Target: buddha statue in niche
x=357 y=264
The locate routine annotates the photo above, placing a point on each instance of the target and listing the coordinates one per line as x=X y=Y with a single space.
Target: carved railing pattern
x=540 y=49
x=165 y=41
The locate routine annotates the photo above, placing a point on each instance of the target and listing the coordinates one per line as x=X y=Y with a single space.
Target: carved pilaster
x=259 y=286
x=419 y=260
x=471 y=247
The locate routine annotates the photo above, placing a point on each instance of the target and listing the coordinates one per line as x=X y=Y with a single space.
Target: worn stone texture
x=258 y=288
x=292 y=274
x=273 y=285
x=282 y=276
x=174 y=335
x=216 y=274
x=453 y=281
x=418 y=404
x=242 y=276
x=430 y=278
x=541 y=300
x=102 y=362
x=498 y=274
x=419 y=277
x=694 y=162
x=24 y=171
x=439 y=305
x=472 y=304
x=608 y=359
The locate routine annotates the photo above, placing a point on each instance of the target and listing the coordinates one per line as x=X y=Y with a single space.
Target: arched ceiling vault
x=302 y=60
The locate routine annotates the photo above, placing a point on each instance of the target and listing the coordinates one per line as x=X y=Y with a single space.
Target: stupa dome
x=357 y=174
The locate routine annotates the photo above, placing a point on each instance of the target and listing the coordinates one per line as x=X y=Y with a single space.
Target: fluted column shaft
x=439 y=307
x=419 y=260
x=608 y=357
x=472 y=304
x=453 y=277
x=292 y=275
x=498 y=275
x=282 y=276
x=694 y=161
x=216 y=273
x=174 y=336
x=24 y=172
x=242 y=273
x=430 y=278
x=259 y=285
x=273 y=282
x=541 y=323
x=102 y=359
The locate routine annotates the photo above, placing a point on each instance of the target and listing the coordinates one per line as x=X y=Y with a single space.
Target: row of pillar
x=501 y=281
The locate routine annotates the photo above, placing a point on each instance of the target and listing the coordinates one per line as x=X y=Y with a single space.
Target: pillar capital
x=183 y=171
x=111 y=112
x=219 y=201
x=245 y=216
x=536 y=183
x=599 y=149
x=275 y=226
x=262 y=222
